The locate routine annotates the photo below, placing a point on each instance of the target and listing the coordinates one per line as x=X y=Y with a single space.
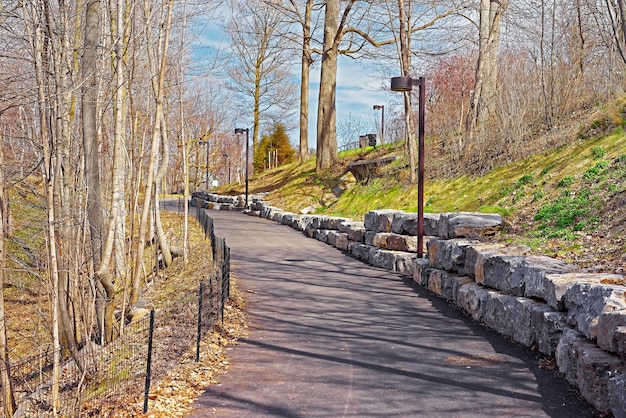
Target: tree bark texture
x=8 y=401
x=307 y=60
x=405 y=64
x=326 y=112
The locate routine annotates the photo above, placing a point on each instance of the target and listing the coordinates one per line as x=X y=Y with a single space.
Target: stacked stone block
x=539 y=302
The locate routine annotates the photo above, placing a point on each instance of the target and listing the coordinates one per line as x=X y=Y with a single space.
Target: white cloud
x=358 y=88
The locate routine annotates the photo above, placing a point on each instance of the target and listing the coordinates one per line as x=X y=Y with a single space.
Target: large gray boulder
x=395 y=242
x=277 y=216
x=369 y=237
x=534 y=272
x=431 y=224
x=379 y=220
x=290 y=219
x=421 y=270
x=509 y=316
x=317 y=221
x=547 y=325
x=551 y=287
x=404 y=223
x=472 y=298
x=321 y=235
x=382 y=258
x=445 y=284
x=405 y=262
x=333 y=222
x=597 y=311
x=474 y=251
x=500 y=271
x=227 y=199
x=616 y=388
x=359 y=251
x=449 y=254
x=268 y=211
x=342 y=241
x=355 y=230
x=304 y=222
x=332 y=237
x=587 y=367
x=469 y=225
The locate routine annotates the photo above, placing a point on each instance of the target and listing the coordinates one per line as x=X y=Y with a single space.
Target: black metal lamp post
x=239 y=131
x=206 y=142
x=382 y=122
x=406 y=84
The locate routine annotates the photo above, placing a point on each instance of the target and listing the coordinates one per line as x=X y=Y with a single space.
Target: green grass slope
x=566 y=202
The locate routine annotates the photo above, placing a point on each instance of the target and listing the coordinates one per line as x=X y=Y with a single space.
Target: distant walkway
x=333 y=337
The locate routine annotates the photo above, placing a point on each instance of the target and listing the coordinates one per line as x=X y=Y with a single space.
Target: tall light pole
x=206 y=142
x=406 y=84
x=382 y=122
x=239 y=131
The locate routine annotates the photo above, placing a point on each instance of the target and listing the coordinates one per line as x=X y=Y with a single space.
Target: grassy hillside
x=565 y=202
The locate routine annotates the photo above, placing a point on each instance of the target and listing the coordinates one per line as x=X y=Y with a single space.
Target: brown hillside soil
x=603 y=251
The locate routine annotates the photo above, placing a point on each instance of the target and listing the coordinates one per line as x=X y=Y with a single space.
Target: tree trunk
x=5 y=367
x=38 y=43
x=90 y=132
x=159 y=80
x=115 y=242
x=61 y=103
x=307 y=60
x=91 y=150
x=405 y=63
x=162 y=240
x=326 y=114
x=184 y=146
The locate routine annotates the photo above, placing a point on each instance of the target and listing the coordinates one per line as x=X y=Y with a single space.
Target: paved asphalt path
x=332 y=337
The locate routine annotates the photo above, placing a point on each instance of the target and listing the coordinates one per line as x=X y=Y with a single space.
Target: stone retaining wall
x=540 y=302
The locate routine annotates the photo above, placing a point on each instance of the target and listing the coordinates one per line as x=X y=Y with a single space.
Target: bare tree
x=356 y=38
x=260 y=71
x=485 y=81
x=157 y=70
x=617 y=14
x=408 y=25
x=302 y=14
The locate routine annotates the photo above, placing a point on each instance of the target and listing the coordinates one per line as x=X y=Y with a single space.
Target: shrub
x=566 y=181
x=598 y=152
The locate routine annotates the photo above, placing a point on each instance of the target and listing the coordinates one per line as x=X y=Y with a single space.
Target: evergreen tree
x=274 y=150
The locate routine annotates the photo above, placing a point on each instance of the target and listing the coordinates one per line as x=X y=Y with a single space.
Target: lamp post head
x=403 y=83
x=379 y=107
x=241 y=131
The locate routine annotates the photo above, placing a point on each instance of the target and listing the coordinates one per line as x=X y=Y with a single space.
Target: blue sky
x=358 y=88
x=357 y=91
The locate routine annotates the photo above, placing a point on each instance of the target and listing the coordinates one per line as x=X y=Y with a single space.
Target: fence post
x=199 y=322
x=148 y=362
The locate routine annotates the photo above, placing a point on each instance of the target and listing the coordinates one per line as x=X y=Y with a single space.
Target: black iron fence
x=128 y=365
